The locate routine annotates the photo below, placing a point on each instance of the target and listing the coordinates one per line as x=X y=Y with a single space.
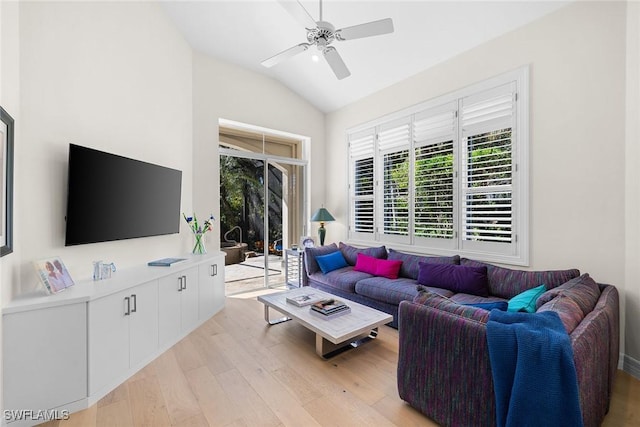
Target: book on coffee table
x=338 y=312
x=304 y=299
x=329 y=306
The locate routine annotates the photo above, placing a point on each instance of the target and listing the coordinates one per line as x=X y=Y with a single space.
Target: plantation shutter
x=434 y=136
x=362 y=185
x=394 y=141
x=488 y=131
x=447 y=176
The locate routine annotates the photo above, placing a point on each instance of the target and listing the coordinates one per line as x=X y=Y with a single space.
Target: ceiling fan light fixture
x=322 y=34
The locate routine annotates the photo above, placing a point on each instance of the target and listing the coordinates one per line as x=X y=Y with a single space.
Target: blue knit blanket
x=534 y=376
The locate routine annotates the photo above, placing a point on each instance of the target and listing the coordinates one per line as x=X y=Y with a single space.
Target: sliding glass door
x=261 y=214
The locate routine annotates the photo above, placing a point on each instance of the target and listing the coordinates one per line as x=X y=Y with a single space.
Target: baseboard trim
x=631 y=366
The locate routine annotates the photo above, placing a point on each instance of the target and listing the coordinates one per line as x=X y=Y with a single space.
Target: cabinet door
x=211 y=287
x=143 y=323
x=169 y=309
x=45 y=357
x=189 y=299
x=108 y=340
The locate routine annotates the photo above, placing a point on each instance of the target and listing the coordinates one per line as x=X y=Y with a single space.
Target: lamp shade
x=322 y=215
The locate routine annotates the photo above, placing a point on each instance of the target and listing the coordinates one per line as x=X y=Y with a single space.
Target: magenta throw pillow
x=388 y=268
x=456 y=278
x=365 y=264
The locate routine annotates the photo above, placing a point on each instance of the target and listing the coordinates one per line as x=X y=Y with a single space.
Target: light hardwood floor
x=236 y=371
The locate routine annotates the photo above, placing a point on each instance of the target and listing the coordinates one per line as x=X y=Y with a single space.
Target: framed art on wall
x=6 y=183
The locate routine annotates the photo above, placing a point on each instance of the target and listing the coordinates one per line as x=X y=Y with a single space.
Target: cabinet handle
x=135 y=304
x=184 y=282
x=214 y=269
x=180 y=283
x=128 y=310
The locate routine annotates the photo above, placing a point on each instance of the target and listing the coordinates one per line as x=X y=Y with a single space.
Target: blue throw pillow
x=526 y=301
x=330 y=262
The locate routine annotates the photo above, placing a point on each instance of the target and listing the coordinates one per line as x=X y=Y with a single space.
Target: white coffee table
x=333 y=334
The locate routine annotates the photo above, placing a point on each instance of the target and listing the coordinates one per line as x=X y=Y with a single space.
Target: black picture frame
x=6 y=182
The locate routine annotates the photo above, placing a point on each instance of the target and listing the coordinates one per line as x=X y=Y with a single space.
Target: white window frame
x=515 y=253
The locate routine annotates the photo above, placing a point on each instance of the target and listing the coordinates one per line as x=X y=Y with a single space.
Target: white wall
x=223 y=90
x=115 y=76
x=577 y=120
x=10 y=101
x=631 y=301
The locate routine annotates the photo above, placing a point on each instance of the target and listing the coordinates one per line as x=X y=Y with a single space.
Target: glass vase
x=199 y=248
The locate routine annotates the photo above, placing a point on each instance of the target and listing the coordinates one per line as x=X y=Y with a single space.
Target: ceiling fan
x=321 y=34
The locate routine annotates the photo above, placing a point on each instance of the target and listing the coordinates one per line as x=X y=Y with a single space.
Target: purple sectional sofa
x=380 y=293
x=444 y=368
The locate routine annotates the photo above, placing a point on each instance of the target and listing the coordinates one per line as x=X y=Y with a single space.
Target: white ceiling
x=426 y=33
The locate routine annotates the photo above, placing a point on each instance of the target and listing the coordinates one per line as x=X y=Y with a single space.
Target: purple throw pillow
x=456 y=278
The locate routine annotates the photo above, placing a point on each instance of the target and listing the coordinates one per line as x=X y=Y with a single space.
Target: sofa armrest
x=596 y=349
x=443 y=366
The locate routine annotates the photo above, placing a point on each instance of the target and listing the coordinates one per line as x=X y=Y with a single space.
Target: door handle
x=128 y=310
x=184 y=282
x=180 y=283
x=135 y=304
x=214 y=269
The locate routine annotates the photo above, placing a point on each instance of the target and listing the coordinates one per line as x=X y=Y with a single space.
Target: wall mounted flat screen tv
x=111 y=197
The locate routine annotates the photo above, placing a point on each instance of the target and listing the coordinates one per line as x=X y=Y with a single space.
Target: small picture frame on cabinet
x=53 y=275
x=307 y=242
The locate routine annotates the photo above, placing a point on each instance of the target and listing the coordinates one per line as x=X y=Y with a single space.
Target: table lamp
x=322 y=215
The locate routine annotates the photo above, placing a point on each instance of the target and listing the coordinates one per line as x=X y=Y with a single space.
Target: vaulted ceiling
x=425 y=33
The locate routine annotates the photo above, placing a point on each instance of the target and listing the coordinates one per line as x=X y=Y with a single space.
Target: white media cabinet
x=66 y=351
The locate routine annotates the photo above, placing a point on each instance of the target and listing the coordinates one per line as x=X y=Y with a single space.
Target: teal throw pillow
x=526 y=301
x=330 y=262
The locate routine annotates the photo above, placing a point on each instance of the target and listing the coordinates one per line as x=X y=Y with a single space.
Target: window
x=394 y=141
x=362 y=189
x=447 y=176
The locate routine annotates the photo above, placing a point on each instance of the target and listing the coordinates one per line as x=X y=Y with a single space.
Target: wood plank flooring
x=236 y=371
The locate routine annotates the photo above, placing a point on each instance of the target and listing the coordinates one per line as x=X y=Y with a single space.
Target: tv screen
x=111 y=197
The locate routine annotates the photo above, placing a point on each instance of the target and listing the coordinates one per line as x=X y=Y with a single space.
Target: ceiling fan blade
x=298 y=11
x=374 y=28
x=285 y=54
x=336 y=63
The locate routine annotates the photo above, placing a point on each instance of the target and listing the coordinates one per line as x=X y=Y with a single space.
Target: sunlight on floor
x=246 y=279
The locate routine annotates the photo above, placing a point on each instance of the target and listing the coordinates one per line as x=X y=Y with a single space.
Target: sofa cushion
x=507 y=283
x=425 y=297
x=495 y=305
x=344 y=279
x=330 y=262
x=583 y=290
x=456 y=278
x=462 y=298
x=568 y=310
x=526 y=301
x=410 y=262
x=310 y=254
x=351 y=252
x=386 y=290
